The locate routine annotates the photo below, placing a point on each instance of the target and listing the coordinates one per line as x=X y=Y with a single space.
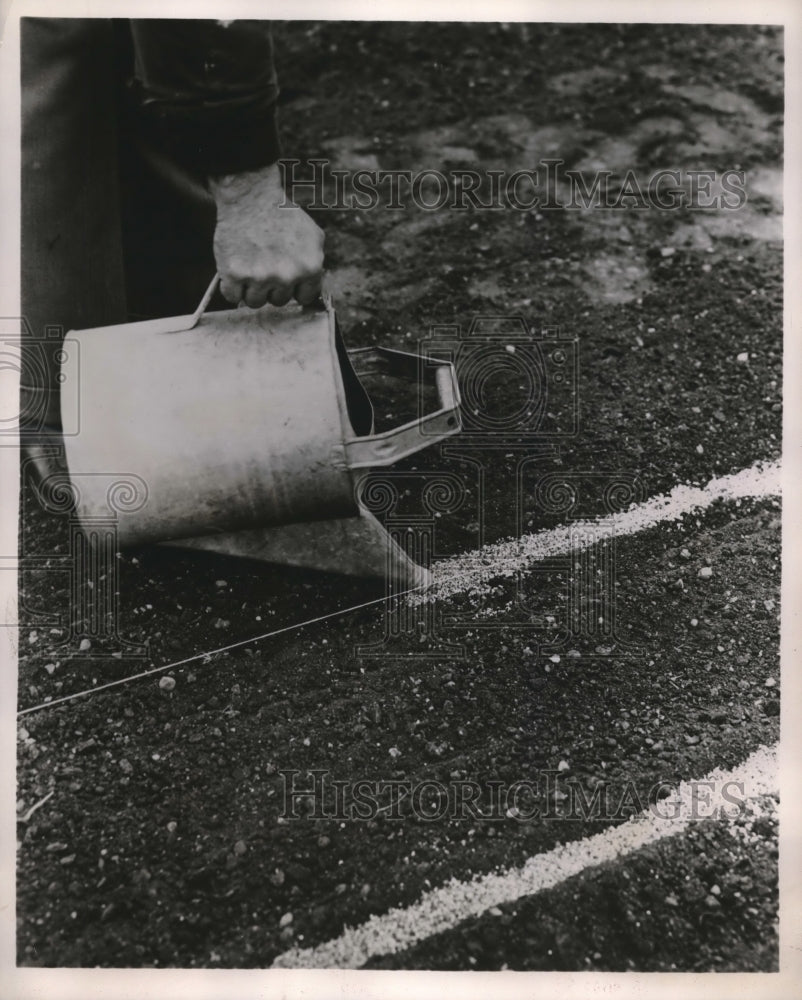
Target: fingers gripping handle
x=323 y=302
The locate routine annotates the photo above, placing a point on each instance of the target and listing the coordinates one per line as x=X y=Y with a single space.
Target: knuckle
x=310 y=266
x=236 y=270
x=284 y=274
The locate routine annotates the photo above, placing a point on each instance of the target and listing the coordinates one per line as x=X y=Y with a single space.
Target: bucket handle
x=390 y=446
x=193 y=320
x=204 y=302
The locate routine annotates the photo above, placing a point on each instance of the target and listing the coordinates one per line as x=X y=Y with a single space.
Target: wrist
x=263 y=183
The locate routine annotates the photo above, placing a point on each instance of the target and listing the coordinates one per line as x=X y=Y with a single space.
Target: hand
x=267 y=248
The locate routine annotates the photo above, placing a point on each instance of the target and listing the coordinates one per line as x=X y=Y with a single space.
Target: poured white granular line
x=471 y=572
x=445 y=907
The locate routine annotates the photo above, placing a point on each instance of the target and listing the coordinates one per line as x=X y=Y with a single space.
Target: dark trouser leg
x=168 y=220
x=72 y=265
x=111 y=229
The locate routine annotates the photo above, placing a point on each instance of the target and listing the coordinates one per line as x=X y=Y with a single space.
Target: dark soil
x=163 y=843
x=643 y=914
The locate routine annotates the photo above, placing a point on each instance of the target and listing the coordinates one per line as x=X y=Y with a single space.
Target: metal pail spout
x=234 y=424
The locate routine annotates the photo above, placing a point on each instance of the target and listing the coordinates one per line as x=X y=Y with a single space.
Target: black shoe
x=44 y=466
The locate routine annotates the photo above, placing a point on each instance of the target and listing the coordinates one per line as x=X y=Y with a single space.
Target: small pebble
x=172 y=826
x=286 y=920
x=85 y=644
x=221 y=583
x=770 y=682
x=685 y=553
x=240 y=848
x=167 y=683
x=743 y=357
x=705 y=572
x=563 y=766
x=699 y=450
x=667 y=251
x=510 y=348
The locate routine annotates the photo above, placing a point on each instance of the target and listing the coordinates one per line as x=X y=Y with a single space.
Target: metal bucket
x=232 y=420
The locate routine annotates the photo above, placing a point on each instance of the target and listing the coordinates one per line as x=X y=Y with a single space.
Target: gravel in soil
x=255 y=725
x=161 y=844
x=705 y=900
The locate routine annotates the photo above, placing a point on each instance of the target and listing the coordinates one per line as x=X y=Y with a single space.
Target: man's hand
x=267 y=249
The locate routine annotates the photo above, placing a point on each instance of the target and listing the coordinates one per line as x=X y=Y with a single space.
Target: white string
x=208 y=653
